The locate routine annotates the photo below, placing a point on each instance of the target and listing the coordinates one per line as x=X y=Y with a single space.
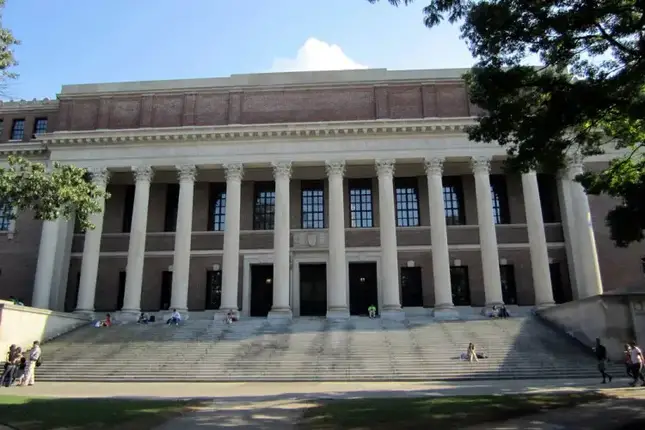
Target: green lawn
x=40 y=413
x=432 y=412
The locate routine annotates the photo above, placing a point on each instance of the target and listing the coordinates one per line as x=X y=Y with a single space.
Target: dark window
x=6 y=216
x=40 y=126
x=360 y=203
x=643 y=264
x=128 y=207
x=313 y=204
x=406 y=192
x=499 y=195
x=264 y=206
x=172 y=203
x=460 y=285
x=18 y=129
x=453 y=200
x=1 y=127
x=548 y=197
x=217 y=207
x=121 y=291
x=509 y=288
x=213 y=289
x=411 y=287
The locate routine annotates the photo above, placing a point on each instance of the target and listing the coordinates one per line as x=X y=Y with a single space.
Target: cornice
x=227 y=133
x=22 y=148
x=27 y=105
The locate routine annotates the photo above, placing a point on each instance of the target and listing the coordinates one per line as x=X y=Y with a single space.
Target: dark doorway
x=313 y=290
x=261 y=289
x=121 y=293
x=509 y=288
x=213 y=289
x=560 y=294
x=460 y=285
x=411 y=287
x=363 y=290
x=166 y=290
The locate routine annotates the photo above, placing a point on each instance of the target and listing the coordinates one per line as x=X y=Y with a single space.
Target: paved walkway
x=270 y=406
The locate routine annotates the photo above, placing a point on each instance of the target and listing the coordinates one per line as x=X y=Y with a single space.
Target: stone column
x=231 y=257
x=137 y=246
x=443 y=308
x=537 y=241
x=337 y=285
x=592 y=281
x=569 y=224
x=183 y=236
x=391 y=292
x=45 y=266
x=487 y=234
x=92 y=249
x=281 y=243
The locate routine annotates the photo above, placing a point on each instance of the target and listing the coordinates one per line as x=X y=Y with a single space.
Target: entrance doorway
x=166 y=290
x=363 y=290
x=313 y=290
x=261 y=289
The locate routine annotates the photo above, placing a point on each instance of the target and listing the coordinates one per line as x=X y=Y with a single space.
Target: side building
x=301 y=194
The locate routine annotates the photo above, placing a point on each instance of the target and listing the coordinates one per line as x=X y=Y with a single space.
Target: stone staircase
x=314 y=349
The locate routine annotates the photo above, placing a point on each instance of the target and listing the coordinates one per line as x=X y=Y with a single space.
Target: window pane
x=5 y=216
x=18 y=129
x=452 y=200
x=40 y=127
x=264 y=207
x=407 y=202
x=360 y=197
x=313 y=204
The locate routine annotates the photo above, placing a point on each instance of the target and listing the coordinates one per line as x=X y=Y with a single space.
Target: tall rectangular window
x=40 y=126
x=406 y=193
x=128 y=207
x=453 y=200
x=360 y=203
x=509 y=288
x=313 y=204
x=548 y=197
x=6 y=216
x=460 y=285
x=18 y=129
x=1 y=128
x=213 y=289
x=499 y=194
x=172 y=203
x=264 y=206
x=217 y=213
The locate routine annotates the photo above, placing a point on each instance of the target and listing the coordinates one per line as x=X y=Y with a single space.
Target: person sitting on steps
x=143 y=319
x=175 y=318
x=230 y=317
x=371 y=311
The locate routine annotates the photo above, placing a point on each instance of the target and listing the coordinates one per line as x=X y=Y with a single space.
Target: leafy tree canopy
x=64 y=191
x=587 y=98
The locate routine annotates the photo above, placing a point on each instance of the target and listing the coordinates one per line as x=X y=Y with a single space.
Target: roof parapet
x=27 y=105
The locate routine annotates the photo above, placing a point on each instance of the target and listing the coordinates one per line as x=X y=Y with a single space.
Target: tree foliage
x=65 y=191
x=7 y=43
x=587 y=98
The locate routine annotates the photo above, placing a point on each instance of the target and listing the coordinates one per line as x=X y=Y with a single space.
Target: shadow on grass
x=435 y=413
x=33 y=413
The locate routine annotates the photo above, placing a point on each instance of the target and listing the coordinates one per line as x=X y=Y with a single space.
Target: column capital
x=334 y=168
x=234 y=171
x=434 y=166
x=186 y=172
x=100 y=175
x=385 y=167
x=281 y=169
x=480 y=164
x=143 y=173
x=575 y=165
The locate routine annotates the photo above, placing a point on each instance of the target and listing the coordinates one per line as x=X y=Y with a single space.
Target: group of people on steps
x=634 y=362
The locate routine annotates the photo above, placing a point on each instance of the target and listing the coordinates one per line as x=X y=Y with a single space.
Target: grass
x=433 y=412
x=40 y=413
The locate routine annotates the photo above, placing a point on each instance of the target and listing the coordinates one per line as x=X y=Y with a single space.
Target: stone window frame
x=406 y=199
x=361 y=203
x=312 y=204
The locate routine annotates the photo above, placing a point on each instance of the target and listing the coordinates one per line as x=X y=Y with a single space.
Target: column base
x=393 y=314
x=541 y=306
x=445 y=313
x=129 y=315
x=280 y=314
x=89 y=313
x=339 y=313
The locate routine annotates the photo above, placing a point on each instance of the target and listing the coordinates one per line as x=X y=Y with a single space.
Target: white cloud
x=316 y=55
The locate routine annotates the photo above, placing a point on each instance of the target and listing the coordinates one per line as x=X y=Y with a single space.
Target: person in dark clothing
x=601 y=356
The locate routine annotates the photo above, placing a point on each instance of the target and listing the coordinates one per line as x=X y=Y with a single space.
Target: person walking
x=601 y=356
x=32 y=363
x=637 y=364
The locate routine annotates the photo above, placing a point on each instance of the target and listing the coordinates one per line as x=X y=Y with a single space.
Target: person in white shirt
x=637 y=364
x=30 y=371
x=175 y=318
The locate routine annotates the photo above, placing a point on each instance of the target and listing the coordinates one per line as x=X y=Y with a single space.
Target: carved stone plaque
x=310 y=239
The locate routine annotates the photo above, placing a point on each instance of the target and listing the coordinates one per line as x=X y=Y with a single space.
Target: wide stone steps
x=310 y=349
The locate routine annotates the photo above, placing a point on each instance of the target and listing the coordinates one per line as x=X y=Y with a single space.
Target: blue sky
x=85 y=41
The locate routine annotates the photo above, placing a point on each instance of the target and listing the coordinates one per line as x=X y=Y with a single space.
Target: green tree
x=64 y=191
x=588 y=96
